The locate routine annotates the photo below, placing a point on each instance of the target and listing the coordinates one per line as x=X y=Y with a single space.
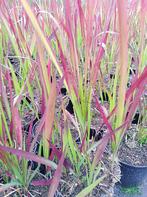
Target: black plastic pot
x=104 y=96
x=99 y=135
x=136 y=118
x=27 y=99
x=112 y=76
x=63 y=91
x=92 y=133
x=96 y=135
x=69 y=107
x=132 y=176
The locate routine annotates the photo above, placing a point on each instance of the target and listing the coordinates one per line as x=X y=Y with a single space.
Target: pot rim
x=134 y=166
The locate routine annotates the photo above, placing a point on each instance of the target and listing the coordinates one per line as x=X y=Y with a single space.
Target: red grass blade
x=17 y=126
x=105 y=119
x=29 y=137
x=68 y=74
x=49 y=116
x=137 y=82
x=29 y=156
x=136 y=101
x=56 y=179
x=42 y=182
x=82 y=18
x=100 y=149
x=101 y=51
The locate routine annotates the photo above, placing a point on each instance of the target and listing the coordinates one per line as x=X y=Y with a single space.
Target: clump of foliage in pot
x=129 y=98
x=142 y=127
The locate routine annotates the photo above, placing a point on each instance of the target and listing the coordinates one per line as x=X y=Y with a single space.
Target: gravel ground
x=142 y=191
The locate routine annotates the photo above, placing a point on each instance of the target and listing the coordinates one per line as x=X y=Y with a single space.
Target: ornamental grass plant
x=89 y=49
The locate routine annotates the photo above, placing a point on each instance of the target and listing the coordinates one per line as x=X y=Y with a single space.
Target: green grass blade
x=89 y=189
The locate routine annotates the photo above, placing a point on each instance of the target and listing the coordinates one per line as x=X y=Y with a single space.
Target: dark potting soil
x=131 y=151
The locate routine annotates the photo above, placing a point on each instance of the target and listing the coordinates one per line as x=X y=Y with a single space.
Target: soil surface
x=131 y=151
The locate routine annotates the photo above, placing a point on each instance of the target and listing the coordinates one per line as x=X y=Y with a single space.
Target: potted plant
x=127 y=101
x=133 y=152
x=133 y=147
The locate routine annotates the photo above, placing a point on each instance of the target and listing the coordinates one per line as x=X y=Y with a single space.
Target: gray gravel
x=142 y=191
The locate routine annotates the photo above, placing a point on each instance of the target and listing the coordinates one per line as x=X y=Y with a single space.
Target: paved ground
x=142 y=191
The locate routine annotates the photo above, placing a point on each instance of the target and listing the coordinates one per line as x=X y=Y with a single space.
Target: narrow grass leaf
x=56 y=178
x=9 y=185
x=49 y=118
x=29 y=156
x=105 y=119
x=89 y=189
x=40 y=33
x=123 y=54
